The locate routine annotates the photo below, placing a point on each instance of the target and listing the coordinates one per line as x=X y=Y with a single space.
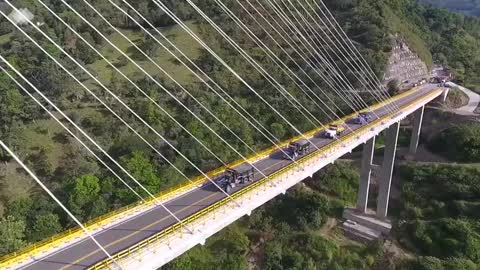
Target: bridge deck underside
x=85 y=253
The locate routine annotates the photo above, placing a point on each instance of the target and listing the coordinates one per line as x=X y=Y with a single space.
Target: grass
x=457 y=98
x=5 y=38
x=36 y=135
x=14 y=184
x=473 y=84
x=161 y=57
x=40 y=134
x=405 y=29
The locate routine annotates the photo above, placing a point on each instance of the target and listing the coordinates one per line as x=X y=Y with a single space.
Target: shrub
x=460 y=143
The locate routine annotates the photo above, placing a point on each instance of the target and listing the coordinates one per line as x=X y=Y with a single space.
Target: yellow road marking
x=272 y=165
x=9 y=259
x=148 y=226
x=134 y=233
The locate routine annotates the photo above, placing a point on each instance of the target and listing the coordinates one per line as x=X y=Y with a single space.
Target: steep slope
x=469 y=7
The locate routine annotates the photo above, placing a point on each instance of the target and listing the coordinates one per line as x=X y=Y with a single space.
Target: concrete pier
x=417 y=127
x=365 y=175
x=386 y=172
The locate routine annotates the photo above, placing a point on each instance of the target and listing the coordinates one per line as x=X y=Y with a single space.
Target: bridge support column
x=445 y=94
x=365 y=175
x=417 y=127
x=386 y=172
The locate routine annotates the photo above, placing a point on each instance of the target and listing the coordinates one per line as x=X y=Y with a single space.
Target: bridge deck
x=85 y=253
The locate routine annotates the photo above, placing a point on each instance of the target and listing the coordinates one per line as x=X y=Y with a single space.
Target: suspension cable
x=202 y=79
x=365 y=67
x=45 y=188
x=131 y=82
x=108 y=108
x=218 y=58
x=279 y=62
x=134 y=179
x=349 y=41
x=140 y=89
x=336 y=90
x=314 y=36
x=63 y=125
x=206 y=125
x=290 y=25
x=255 y=64
x=365 y=78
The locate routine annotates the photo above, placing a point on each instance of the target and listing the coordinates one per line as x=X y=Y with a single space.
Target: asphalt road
x=473 y=99
x=85 y=253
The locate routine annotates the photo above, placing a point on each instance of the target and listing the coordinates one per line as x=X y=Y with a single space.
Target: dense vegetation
x=80 y=181
x=437 y=221
x=290 y=232
x=89 y=190
x=435 y=35
x=459 y=143
x=469 y=7
x=440 y=213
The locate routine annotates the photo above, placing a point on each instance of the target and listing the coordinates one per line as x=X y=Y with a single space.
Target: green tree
x=429 y=263
x=12 y=234
x=302 y=209
x=41 y=162
x=140 y=166
x=232 y=239
x=20 y=208
x=45 y=225
x=83 y=193
x=11 y=104
x=460 y=264
x=340 y=179
x=460 y=143
x=278 y=130
x=393 y=87
x=273 y=255
x=198 y=258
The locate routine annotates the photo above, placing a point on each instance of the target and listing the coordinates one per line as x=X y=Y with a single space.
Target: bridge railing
x=62 y=238
x=329 y=149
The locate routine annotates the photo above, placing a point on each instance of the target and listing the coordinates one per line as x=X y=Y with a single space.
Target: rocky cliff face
x=404 y=65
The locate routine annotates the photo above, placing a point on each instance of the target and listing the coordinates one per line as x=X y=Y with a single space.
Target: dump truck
x=360 y=120
x=333 y=131
x=296 y=149
x=234 y=177
x=368 y=116
x=363 y=118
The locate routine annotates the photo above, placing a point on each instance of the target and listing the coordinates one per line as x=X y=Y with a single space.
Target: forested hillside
x=447 y=38
x=89 y=189
x=469 y=7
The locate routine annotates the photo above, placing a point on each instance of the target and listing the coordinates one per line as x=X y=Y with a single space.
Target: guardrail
x=325 y=150
x=61 y=238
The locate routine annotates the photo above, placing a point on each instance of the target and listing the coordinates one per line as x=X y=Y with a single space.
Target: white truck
x=333 y=131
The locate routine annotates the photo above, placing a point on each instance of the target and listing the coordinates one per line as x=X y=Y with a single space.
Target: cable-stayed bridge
x=159 y=228
x=146 y=236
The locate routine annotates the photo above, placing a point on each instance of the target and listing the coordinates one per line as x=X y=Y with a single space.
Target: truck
x=333 y=131
x=296 y=149
x=234 y=177
x=363 y=118
x=360 y=120
x=368 y=116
